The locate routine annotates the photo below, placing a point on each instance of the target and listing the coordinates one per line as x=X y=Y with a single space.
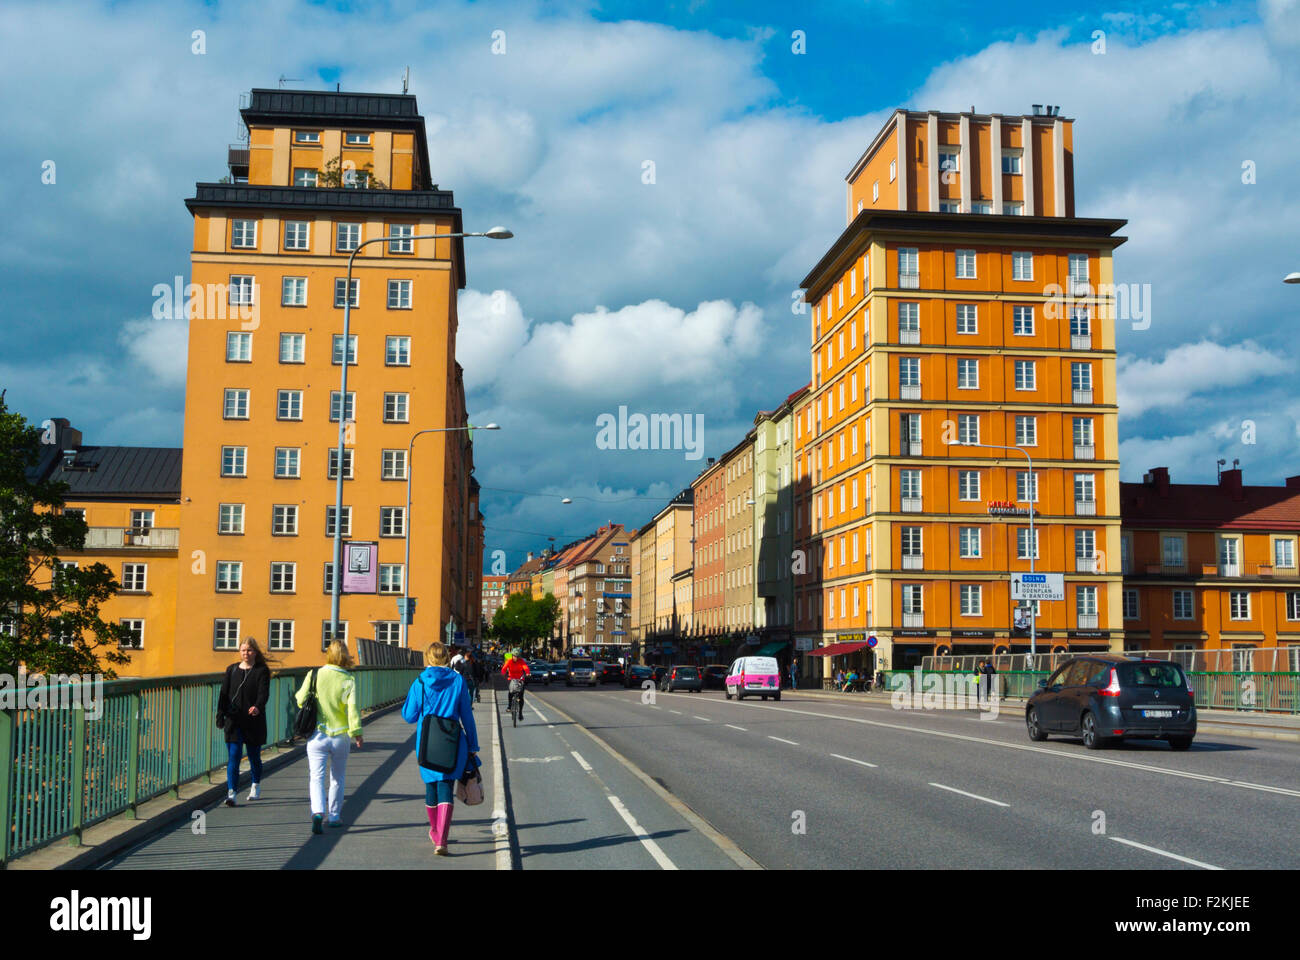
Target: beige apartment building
x=738 y=555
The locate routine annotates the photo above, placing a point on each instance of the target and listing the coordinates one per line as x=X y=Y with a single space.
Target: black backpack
x=304 y=724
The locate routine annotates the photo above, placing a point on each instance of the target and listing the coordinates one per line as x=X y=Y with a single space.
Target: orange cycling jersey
x=515 y=669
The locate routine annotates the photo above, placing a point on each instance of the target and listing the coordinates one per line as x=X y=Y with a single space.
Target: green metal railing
x=1258 y=691
x=64 y=771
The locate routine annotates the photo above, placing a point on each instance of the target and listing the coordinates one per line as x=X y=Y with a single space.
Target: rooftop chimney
x=1230 y=480
x=530 y=556
x=1158 y=477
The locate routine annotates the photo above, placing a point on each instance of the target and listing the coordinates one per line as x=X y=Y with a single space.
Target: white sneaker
x=255 y=792
x=230 y=798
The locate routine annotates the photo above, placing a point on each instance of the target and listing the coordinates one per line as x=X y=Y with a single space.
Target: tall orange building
x=262 y=403
x=933 y=330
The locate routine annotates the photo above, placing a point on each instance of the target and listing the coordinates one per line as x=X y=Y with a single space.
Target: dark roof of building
x=121 y=473
x=1209 y=506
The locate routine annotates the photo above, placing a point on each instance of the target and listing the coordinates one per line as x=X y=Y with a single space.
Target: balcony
x=1085 y=564
x=913 y=561
x=1085 y=451
x=914 y=620
x=909 y=281
x=1249 y=570
x=911 y=504
x=132 y=538
x=1080 y=341
x=1166 y=569
x=1085 y=508
x=1082 y=396
x=909 y=448
x=1087 y=621
x=909 y=336
x=909 y=391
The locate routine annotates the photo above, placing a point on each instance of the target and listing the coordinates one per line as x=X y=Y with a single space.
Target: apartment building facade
x=773 y=497
x=673 y=532
x=738 y=530
x=709 y=503
x=493 y=593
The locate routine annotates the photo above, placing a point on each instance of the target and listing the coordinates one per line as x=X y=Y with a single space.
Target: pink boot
x=433 y=824
x=442 y=827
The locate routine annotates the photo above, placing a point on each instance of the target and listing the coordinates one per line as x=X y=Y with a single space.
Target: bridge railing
x=74 y=754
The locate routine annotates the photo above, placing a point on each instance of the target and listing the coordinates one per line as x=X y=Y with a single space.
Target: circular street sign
x=871 y=641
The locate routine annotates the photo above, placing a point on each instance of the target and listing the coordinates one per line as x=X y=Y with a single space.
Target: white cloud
x=1190 y=370
x=160 y=346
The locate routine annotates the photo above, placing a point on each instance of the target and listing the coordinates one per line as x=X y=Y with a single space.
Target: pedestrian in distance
x=461 y=664
x=794 y=673
x=241 y=713
x=337 y=720
x=990 y=674
x=441 y=692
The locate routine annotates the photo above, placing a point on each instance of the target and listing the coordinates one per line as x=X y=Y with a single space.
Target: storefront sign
x=972 y=633
x=913 y=633
x=1088 y=634
x=1006 y=508
x=360 y=567
x=803 y=643
x=852 y=638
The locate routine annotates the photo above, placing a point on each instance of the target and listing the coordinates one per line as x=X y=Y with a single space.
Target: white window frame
x=239 y=347
x=293 y=340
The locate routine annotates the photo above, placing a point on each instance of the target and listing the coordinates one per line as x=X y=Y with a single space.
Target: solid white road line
x=705 y=719
x=500 y=821
x=540 y=716
x=734 y=727
x=581 y=762
x=653 y=848
x=678 y=712
x=973 y=796
x=791 y=742
x=851 y=760
x=1165 y=853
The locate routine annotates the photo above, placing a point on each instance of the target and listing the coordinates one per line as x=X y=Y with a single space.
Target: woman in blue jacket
x=442 y=692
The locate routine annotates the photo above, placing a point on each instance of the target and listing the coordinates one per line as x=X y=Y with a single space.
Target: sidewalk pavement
x=1237 y=723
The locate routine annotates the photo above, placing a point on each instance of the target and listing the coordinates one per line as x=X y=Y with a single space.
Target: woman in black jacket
x=242 y=705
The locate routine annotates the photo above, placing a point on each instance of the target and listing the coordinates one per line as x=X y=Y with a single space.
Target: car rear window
x=686 y=672
x=1150 y=675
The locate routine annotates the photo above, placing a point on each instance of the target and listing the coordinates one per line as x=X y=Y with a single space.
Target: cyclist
x=515 y=670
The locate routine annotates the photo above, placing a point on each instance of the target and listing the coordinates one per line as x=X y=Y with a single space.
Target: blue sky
x=672 y=296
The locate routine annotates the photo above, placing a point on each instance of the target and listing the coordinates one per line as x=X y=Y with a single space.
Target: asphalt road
x=807 y=783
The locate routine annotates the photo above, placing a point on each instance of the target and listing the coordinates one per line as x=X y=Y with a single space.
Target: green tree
x=49 y=615
x=524 y=622
x=362 y=178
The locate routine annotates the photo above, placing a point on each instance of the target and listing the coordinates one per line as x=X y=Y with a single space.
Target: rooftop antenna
x=284 y=80
x=1219 y=469
x=1236 y=463
x=406 y=79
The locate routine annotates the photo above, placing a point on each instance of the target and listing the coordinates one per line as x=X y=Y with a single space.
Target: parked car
x=560 y=670
x=715 y=676
x=681 y=678
x=611 y=673
x=581 y=671
x=753 y=676
x=637 y=674
x=1106 y=698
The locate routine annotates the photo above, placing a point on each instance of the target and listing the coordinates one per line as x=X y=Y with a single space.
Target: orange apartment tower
x=963 y=304
x=322 y=172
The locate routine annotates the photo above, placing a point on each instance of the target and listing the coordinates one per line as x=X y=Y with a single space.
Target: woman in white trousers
x=337 y=720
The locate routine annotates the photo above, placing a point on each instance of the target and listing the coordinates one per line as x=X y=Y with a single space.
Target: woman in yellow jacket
x=338 y=719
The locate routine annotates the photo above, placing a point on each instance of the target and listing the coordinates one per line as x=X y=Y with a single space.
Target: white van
x=754 y=676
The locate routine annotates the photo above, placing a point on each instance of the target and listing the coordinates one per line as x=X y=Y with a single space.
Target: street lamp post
x=1033 y=543
x=410 y=469
x=496 y=233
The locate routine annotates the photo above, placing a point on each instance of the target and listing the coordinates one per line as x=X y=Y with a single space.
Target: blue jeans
x=234 y=752
x=440 y=791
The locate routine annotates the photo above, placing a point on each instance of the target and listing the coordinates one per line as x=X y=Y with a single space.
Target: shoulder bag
x=439 y=741
x=304 y=724
x=470 y=788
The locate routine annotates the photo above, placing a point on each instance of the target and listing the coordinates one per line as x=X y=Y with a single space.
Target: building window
x=1284 y=553
x=225 y=634
x=968 y=539
x=1013 y=208
x=1011 y=163
x=1027 y=431
x=1130 y=605
x=1080 y=326
x=1083 y=431
x=1078 y=268
x=292 y=347
x=288 y=405
x=235 y=406
x=971 y=600
x=346 y=525
x=356 y=139
x=286 y=462
x=1085 y=493
x=135 y=629
x=397 y=408
x=134 y=577
x=230 y=576
x=1026 y=375
x=1081 y=376
x=1239 y=604
x=399 y=294
x=909 y=273
x=1293 y=605
x=284 y=520
x=1183 y=605
x=909 y=323
x=401 y=241
x=348 y=414
x=243 y=234
x=965 y=265
x=390 y=578
x=893 y=170
x=875 y=190
x=233 y=461
x=297 y=235
x=1022 y=321
x=336 y=356
x=1026 y=486
x=394 y=465
x=305 y=176
x=912 y=599
x=949 y=206
x=968 y=485
x=279 y=634
x=340 y=284
x=239 y=347
x=1022 y=265
x=230 y=518
x=348 y=237
x=949 y=157
x=284 y=577
x=392 y=521
x=968 y=428
x=981 y=207
x=389 y=631
x=1085 y=599
x=293 y=291
x=1024 y=550
x=397 y=351
x=306 y=136
x=332 y=464
x=967 y=318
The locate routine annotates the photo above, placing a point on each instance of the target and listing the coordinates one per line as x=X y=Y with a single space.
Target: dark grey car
x=1107 y=698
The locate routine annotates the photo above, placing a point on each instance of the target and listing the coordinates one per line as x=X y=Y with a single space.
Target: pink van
x=750 y=676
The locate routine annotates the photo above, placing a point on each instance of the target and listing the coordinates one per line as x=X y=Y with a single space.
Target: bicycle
x=515 y=702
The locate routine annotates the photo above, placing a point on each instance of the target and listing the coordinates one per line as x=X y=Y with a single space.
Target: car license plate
x=1157 y=713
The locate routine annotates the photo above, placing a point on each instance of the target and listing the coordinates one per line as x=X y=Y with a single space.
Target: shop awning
x=835 y=649
x=771 y=649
